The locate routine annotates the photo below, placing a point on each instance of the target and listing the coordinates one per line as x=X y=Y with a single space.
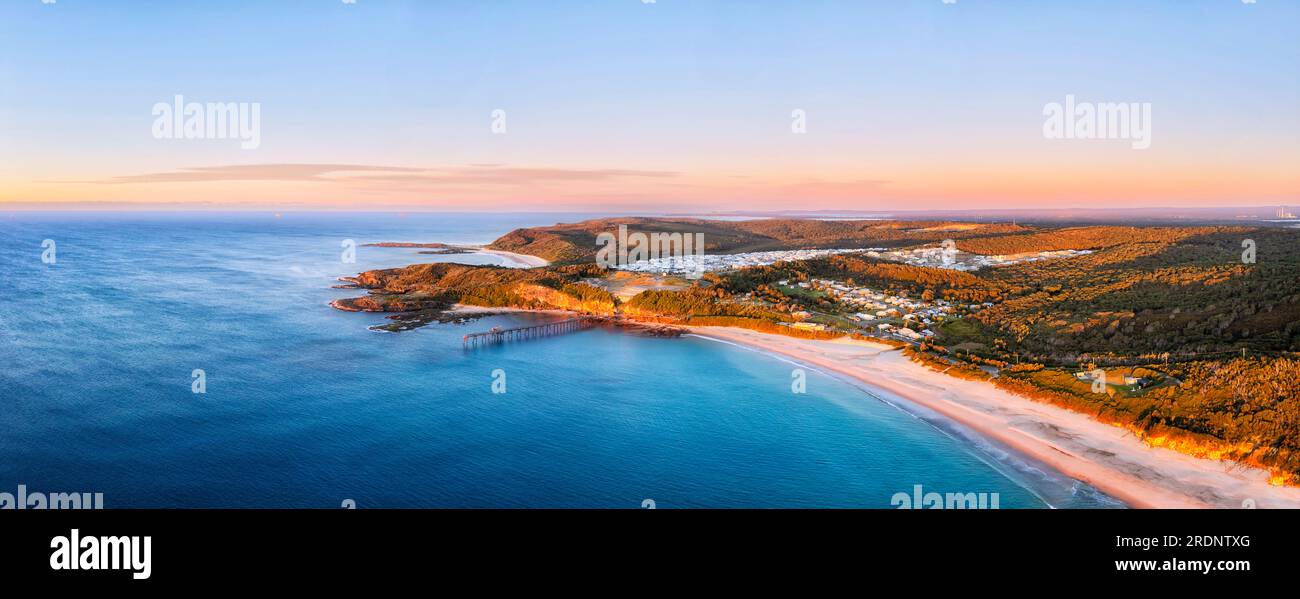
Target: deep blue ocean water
x=306 y=407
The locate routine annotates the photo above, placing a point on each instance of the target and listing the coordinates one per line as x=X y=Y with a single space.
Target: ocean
x=305 y=407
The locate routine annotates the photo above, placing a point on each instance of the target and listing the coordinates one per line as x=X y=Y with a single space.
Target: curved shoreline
x=1031 y=474
x=522 y=260
x=513 y=259
x=1106 y=457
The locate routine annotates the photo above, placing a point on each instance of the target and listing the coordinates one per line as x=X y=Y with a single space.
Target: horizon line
x=181 y=207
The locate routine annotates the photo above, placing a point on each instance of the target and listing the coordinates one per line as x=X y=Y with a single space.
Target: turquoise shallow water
x=305 y=407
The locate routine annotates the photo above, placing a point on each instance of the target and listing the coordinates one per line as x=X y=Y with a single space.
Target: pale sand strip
x=520 y=259
x=1107 y=457
x=516 y=260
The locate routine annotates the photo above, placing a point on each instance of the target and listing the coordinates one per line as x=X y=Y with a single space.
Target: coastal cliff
x=437 y=287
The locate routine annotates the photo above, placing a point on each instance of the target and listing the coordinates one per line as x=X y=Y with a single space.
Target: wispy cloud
x=477 y=174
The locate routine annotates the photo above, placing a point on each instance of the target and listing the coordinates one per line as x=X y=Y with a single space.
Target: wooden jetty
x=499 y=335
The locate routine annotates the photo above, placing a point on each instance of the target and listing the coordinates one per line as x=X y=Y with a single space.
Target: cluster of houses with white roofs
x=938 y=257
x=1130 y=380
x=676 y=265
x=873 y=305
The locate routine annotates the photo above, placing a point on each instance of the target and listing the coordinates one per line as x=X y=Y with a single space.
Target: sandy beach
x=522 y=260
x=1107 y=457
x=513 y=259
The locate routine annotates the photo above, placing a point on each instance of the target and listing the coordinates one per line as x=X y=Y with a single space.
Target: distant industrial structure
x=1282 y=212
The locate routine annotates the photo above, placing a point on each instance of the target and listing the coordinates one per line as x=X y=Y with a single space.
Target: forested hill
x=576 y=242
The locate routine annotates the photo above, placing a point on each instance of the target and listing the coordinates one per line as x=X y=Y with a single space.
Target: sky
x=639 y=106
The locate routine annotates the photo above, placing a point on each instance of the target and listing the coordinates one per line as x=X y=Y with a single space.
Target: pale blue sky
x=683 y=86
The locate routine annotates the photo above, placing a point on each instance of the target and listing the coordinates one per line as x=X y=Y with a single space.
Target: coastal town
x=693 y=264
x=867 y=311
x=871 y=311
x=951 y=258
x=943 y=256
